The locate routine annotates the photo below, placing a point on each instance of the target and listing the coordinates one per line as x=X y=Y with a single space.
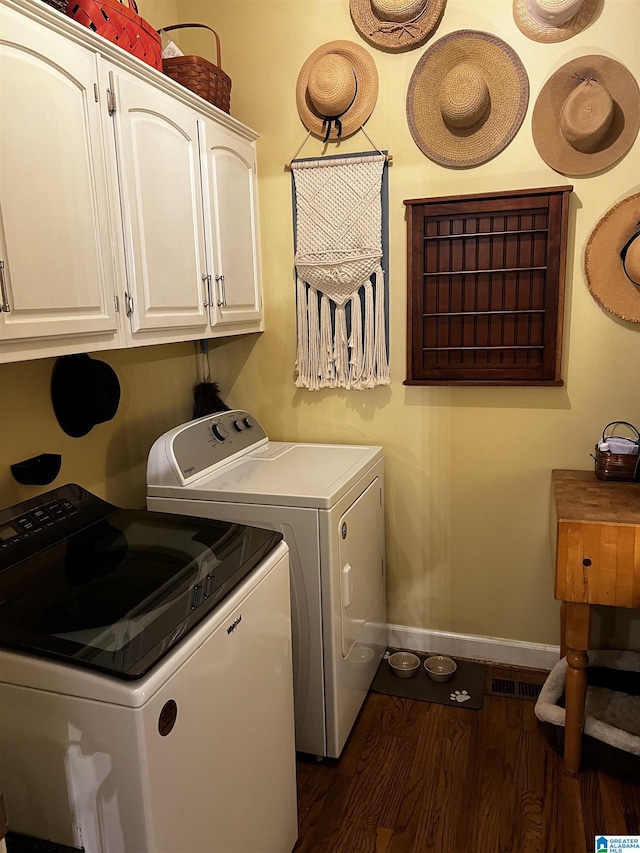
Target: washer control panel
x=216 y=439
x=37 y=523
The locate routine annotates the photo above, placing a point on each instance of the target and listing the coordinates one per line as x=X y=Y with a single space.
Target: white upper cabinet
x=159 y=173
x=128 y=205
x=230 y=198
x=58 y=276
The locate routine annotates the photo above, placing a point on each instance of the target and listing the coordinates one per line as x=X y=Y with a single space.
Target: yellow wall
x=160 y=13
x=468 y=469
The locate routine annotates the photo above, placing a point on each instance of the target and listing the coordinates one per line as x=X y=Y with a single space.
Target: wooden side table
x=596 y=527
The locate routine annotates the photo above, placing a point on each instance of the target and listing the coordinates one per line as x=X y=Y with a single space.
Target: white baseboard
x=494 y=649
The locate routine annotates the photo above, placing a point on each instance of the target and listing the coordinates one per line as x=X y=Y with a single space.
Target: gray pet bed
x=612 y=707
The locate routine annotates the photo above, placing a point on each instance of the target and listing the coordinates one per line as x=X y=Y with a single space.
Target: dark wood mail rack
x=486 y=288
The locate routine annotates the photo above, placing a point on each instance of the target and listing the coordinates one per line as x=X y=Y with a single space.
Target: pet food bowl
x=404 y=664
x=440 y=668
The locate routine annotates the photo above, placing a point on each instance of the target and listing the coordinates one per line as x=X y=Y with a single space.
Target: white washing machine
x=146 y=691
x=327 y=501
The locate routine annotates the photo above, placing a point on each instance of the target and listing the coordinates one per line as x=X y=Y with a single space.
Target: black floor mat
x=464 y=690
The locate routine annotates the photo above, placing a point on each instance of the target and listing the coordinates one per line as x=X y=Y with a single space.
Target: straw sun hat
x=337 y=89
x=553 y=20
x=612 y=260
x=396 y=25
x=467 y=98
x=586 y=116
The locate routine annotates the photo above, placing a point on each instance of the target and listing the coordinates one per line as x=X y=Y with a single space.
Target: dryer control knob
x=219 y=432
x=248 y=422
x=238 y=426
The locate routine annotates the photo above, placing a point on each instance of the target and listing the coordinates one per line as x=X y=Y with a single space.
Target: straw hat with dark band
x=612 y=260
x=586 y=116
x=396 y=25
x=553 y=20
x=467 y=98
x=337 y=89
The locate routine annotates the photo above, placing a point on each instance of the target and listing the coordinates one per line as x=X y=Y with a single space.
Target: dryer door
x=361 y=550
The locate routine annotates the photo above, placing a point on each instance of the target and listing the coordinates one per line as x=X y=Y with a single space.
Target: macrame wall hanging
x=340 y=280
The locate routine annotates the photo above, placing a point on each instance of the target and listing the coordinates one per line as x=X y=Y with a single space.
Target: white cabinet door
x=231 y=210
x=159 y=174
x=55 y=228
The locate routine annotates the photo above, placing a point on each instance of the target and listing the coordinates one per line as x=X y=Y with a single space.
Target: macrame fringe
x=327 y=371
x=381 y=369
x=302 y=359
x=356 y=343
x=330 y=356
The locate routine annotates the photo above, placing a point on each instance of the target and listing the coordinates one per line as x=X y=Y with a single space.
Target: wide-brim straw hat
x=396 y=25
x=576 y=100
x=612 y=260
x=467 y=98
x=339 y=81
x=553 y=20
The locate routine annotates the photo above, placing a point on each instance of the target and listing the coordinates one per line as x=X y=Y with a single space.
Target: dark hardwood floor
x=416 y=776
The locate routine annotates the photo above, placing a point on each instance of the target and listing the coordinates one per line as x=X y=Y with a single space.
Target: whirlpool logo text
x=234 y=625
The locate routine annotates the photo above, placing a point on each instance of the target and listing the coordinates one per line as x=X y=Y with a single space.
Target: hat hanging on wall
x=396 y=25
x=84 y=392
x=337 y=89
x=586 y=116
x=553 y=20
x=612 y=260
x=467 y=98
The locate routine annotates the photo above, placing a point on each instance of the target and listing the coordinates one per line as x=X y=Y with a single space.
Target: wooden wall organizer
x=486 y=280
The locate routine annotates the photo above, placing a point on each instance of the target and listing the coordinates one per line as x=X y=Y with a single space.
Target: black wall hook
x=37 y=471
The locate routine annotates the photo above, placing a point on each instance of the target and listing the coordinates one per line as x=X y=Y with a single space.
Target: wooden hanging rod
x=388 y=157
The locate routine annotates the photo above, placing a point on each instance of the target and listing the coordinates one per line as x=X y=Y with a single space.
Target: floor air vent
x=516 y=688
x=528 y=690
x=504 y=686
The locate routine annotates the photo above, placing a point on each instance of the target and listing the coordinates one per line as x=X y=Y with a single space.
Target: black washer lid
x=111 y=589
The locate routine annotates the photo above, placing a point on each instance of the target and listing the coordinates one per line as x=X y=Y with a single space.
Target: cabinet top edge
x=41 y=12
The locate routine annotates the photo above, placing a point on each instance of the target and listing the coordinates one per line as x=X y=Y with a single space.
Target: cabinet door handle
x=128 y=301
x=223 y=291
x=206 y=280
x=3 y=290
x=111 y=96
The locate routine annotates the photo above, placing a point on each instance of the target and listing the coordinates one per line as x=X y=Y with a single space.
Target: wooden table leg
x=563 y=629
x=577 y=622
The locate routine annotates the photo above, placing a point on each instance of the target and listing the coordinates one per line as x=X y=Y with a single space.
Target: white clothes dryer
x=328 y=502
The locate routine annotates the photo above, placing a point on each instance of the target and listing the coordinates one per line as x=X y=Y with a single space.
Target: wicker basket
x=120 y=23
x=198 y=74
x=618 y=466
